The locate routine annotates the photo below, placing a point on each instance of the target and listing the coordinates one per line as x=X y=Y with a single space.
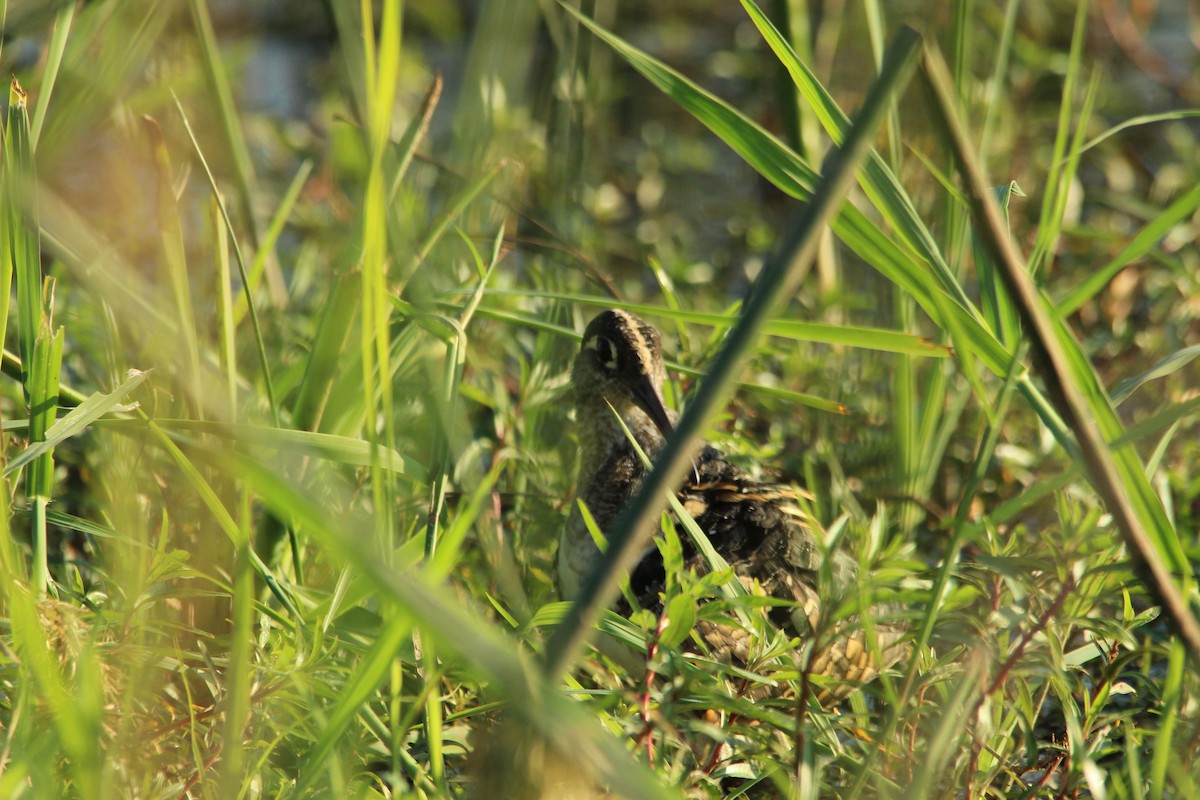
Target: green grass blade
x=877 y=179
x=1164 y=749
x=54 y=60
x=1057 y=183
x=267 y=246
x=997 y=309
x=1172 y=363
x=21 y=241
x=338 y=449
x=1146 y=240
x=76 y=422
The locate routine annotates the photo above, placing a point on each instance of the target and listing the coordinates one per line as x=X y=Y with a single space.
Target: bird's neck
x=601 y=433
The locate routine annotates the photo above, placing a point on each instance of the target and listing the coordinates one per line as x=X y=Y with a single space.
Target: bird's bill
x=650 y=401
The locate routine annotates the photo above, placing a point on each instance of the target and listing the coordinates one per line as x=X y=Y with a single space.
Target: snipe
x=757 y=527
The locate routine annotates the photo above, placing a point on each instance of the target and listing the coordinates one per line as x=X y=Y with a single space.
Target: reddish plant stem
x=648 y=684
x=1027 y=637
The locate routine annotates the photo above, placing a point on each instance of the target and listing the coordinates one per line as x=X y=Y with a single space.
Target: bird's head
x=621 y=362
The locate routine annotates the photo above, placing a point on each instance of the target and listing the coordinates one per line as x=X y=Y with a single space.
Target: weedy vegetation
x=286 y=424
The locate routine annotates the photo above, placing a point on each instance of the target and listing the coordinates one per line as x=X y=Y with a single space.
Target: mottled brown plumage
x=758 y=527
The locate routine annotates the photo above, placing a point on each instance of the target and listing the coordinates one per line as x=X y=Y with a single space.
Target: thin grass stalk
x=339 y=313
x=379 y=71
x=568 y=127
x=328 y=352
x=906 y=411
x=875 y=29
x=243 y=273
x=235 y=145
x=1164 y=750
x=227 y=337
x=775 y=285
x=997 y=308
x=41 y=344
x=791 y=18
x=1059 y=373
x=455 y=355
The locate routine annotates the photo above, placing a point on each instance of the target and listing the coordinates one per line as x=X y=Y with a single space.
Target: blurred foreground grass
x=286 y=419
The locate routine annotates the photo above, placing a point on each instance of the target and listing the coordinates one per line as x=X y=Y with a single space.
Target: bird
x=761 y=529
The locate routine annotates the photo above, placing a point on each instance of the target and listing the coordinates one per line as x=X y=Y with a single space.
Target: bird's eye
x=606 y=354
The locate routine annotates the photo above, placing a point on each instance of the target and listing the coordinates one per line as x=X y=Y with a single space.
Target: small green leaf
x=681 y=618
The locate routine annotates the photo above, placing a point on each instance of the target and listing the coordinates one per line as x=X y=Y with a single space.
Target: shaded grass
x=319 y=552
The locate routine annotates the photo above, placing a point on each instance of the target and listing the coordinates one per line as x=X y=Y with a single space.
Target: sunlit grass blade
x=227 y=336
x=1169 y=365
x=877 y=179
x=266 y=246
x=76 y=422
x=332 y=447
x=240 y=669
x=1144 y=241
